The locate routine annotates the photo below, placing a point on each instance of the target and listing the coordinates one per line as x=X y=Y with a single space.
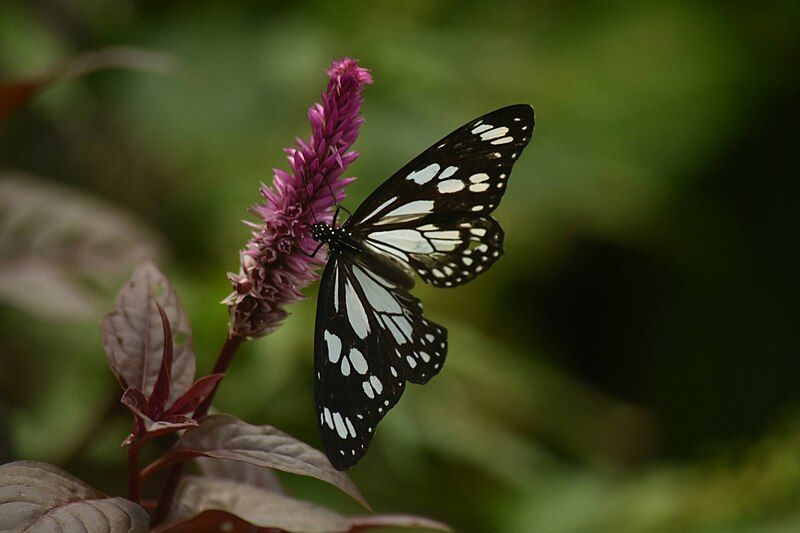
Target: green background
x=632 y=364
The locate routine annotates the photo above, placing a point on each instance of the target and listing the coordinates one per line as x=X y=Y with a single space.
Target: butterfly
x=430 y=219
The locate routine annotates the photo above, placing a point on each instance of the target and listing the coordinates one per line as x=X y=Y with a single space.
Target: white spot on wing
x=355 y=312
x=358 y=361
x=478 y=187
x=494 y=134
x=345 y=366
x=376 y=384
x=404 y=239
x=504 y=140
x=477 y=178
x=449 y=171
x=450 y=186
x=425 y=175
x=368 y=389
x=334 y=346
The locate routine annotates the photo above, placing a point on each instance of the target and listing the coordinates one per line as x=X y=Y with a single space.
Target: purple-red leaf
x=55 y=239
x=208 y=504
x=368 y=522
x=16 y=94
x=198 y=392
x=40 y=497
x=227 y=437
x=158 y=400
x=133 y=335
x=136 y=402
x=255 y=476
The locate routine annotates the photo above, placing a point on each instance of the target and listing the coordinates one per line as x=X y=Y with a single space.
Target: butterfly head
x=322 y=232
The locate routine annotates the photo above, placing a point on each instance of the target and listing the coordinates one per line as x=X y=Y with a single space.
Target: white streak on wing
x=395 y=331
x=336 y=288
x=425 y=175
x=480 y=232
x=478 y=187
x=379 y=298
x=358 y=361
x=450 y=186
x=417 y=207
x=444 y=246
x=334 y=346
x=341 y=429
x=350 y=428
x=380 y=208
x=477 y=178
x=482 y=128
x=355 y=311
x=504 y=140
x=494 y=134
x=449 y=171
x=447 y=234
x=328 y=419
x=388 y=249
x=405 y=239
x=404 y=325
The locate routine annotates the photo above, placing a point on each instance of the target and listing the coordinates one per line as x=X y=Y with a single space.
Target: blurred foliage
x=630 y=365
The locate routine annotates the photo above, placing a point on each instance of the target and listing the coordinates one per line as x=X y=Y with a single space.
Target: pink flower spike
x=274 y=266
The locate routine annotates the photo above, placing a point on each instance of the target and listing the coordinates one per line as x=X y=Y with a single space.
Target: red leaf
x=136 y=402
x=16 y=94
x=160 y=395
x=133 y=335
x=198 y=392
x=245 y=473
x=208 y=504
x=41 y=497
x=227 y=437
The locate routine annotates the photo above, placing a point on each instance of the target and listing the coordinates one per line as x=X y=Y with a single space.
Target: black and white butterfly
x=432 y=219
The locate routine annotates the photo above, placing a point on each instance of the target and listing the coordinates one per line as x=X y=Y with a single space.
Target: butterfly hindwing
x=443 y=251
x=371 y=338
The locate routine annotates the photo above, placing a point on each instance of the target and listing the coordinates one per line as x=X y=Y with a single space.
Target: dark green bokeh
x=631 y=364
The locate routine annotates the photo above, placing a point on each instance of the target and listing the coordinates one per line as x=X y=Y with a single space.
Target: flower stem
x=175 y=474
x=134 y=478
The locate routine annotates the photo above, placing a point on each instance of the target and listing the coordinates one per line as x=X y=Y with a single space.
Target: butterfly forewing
x=433 y=215
x=466 y=172
x=371 y=338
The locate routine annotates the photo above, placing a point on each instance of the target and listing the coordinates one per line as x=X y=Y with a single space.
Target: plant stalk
x=134 y=477
x=175 y=474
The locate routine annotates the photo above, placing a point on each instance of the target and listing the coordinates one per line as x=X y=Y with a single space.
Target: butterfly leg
x=312 y=254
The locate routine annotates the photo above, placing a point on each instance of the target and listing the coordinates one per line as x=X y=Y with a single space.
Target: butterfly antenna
x=305 y=193
x=330 y=189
